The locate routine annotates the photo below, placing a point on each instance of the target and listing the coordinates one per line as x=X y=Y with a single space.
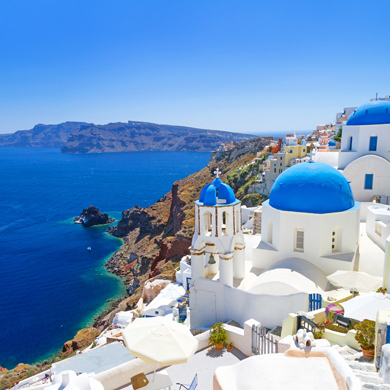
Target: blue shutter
x=368 y=181
x=350 y=143
x=373 y=143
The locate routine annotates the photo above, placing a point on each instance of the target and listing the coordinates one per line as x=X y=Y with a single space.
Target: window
x=368 y=181
x=336 y=239
x=303 y=150
x=274 y=170
x=280 y=164
x=238 y=221
x=350 y=142
x=299 y=240
x=291 y=151
x=373 y=143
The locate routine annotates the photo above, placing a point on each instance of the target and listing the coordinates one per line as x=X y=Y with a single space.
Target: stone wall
x=257 y=221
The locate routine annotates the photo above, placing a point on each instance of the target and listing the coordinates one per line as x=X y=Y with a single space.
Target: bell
x=211 y=259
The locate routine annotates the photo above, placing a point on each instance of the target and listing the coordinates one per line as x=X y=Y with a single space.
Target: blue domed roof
x=217 y=193
x=376 y=112
x=312 y=187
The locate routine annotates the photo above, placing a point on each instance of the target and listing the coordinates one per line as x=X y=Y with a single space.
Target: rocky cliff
x=41 y=136
x=137 y=136
x=156 y=237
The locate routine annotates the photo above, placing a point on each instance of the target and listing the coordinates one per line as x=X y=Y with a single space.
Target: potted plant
x=218 y=335
x=381 y=290
x=229 y=346
x=365 y=336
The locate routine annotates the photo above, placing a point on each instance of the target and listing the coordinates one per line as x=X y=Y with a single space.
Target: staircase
x=364 y=369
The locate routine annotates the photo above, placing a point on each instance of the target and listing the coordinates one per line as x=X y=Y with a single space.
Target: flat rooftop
x=96 y=360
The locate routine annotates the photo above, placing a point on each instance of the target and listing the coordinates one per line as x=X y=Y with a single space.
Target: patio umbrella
x=359 y=281
x=159 y=341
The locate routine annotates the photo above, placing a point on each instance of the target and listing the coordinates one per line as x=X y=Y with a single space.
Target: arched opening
x=208 y=226
x=225 y=223
x=336 y=239
x=369 y=181
x=373 y=143
x=238 y=222
x=270 y=231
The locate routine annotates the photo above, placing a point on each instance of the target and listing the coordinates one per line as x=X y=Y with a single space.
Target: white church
x=310 y=229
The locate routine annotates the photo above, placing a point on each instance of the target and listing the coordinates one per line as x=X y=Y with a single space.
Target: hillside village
x=278 y=252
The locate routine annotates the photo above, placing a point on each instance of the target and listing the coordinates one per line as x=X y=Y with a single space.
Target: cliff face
x=156 y=237
x=41 y=136
x=137 y=136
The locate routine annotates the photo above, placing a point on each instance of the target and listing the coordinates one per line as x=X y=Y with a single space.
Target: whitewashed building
x=365 y=150
x=310 y=229
x=311 y=215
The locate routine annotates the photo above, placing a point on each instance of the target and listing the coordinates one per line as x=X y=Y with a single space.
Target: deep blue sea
x=50 y=284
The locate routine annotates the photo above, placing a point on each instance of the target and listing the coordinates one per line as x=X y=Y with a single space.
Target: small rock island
x=92 y=217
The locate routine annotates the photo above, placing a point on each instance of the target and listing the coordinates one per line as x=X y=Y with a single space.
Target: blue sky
x=247 y=66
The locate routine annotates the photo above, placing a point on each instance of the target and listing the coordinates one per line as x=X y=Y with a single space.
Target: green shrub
x=365 y=334
x=218 y=334
x=336 y=328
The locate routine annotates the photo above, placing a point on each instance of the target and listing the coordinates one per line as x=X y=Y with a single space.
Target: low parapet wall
x=118 y=377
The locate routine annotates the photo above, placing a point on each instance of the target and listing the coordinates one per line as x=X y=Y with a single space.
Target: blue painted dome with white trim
x=312 y=187
x=376 y=112
x=217 y=194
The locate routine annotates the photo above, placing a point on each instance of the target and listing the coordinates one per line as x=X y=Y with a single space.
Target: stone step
x=366 y=367
x=372 y=386
x=367 y=374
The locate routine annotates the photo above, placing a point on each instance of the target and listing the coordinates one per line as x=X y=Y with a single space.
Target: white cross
x=217 y=172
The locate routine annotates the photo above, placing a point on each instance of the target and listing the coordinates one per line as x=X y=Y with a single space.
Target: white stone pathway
x=363 y=369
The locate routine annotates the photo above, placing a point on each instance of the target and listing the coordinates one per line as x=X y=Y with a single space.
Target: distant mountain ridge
x=82 y=137
x=141 y=136
x=41 y=136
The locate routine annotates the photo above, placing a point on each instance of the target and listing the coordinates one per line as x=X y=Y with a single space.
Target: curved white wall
x=318 y=229
x=361 y=141
x=355 y=172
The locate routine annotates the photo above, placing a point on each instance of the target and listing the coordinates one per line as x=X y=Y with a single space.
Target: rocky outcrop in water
x=92 y=217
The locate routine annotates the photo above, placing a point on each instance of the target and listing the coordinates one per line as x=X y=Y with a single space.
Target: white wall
x=330 y=158
x=247 y=212
x=318 y=230
x=378 y=214
x=211 y=302
x=363 y=210
x=361 y=140
x=356 y=170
